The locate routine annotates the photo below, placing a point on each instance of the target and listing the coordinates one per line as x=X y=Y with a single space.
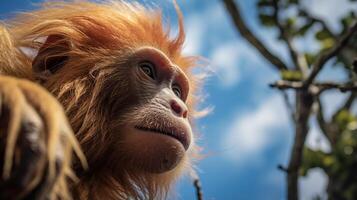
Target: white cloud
x=194 y=35
x=199 y=27
x=250 y=134
x=224 y=60
x=224 y=57
x=313 y=184
x=236 y=57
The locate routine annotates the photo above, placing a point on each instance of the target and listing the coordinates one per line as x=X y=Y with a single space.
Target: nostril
x=184 y=115
x=176 y=107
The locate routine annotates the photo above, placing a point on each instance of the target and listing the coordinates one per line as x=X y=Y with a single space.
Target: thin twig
x=296 y=58
x=283 y=169
x=198 y=188
x=321 y=120
x=234 y=11
x=354 y=64
x=324 y=57
x=281 y=84
x=330 y=128
x=347 y=105
x=288 y=104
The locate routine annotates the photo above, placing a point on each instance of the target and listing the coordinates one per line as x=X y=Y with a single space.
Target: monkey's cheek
x=154 y=153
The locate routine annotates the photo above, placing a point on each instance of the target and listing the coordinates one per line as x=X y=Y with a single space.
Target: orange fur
x=99 y=35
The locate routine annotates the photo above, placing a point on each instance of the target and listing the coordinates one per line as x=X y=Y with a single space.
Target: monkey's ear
x=51 y=56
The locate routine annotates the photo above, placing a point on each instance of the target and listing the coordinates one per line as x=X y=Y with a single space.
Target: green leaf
x=267 y=20
x=310 y=58
x=323 y=35
x=327 y=43
x=312 y=159
x=293 y=1
x=302 y=13
x=262 y=4
x=344 y=118
x=302 y=31
x=348 y=20
x=328 y=161
x=326 y=39
x=291 y=75
x=290 y=22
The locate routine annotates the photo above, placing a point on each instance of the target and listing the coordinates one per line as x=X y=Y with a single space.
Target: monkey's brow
x=182 y=77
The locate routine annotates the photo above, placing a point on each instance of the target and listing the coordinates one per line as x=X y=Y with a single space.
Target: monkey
x=97 y=101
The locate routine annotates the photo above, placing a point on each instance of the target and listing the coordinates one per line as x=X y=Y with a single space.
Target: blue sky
x=249 y=132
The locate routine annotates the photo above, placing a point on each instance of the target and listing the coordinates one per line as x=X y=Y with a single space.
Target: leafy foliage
x=340 y=164
x=291 y=75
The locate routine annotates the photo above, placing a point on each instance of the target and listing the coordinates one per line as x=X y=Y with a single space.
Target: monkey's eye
x=177 y=90
x=148 y=68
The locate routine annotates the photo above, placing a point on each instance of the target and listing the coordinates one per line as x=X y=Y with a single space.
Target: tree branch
x=234 y=11
x=324 y=57
x=296 y=58
x=198 y=188
x=321 y=120
x=347 y=105
x=315 y=87
x=282 y=168
x=289 y=106
x=349 y=101
x=315 y=19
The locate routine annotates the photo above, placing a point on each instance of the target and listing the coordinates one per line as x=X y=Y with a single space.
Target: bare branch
x=323 y=58
x=281 y=84
x=316 y=87
x=321 y=120
x=345 y=87
x=282 y=168
x=197 y=185
x=296 y=58
x=349 y=101
x=289 y=106
x=354 y=64
x=234 y=11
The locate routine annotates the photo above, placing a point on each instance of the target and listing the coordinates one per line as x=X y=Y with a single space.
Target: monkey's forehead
x=108 y=24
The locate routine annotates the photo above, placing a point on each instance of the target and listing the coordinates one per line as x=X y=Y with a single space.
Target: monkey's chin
x=152 y=152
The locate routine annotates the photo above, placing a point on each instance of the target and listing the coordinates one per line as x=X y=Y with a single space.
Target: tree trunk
x=304 y=102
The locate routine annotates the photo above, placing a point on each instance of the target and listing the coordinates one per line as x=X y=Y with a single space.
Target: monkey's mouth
x=181 y=136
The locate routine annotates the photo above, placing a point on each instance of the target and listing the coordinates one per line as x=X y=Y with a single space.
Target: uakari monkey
x=110 y=72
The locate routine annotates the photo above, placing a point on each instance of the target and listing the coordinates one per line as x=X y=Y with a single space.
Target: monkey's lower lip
x=181 y=136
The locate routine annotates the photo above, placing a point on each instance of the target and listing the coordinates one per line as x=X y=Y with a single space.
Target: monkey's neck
x=98 y=187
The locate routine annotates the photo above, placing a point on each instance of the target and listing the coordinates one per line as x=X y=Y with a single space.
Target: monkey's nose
x=178 y=109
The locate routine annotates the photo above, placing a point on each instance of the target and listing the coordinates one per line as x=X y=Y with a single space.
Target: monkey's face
x=156 y=133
